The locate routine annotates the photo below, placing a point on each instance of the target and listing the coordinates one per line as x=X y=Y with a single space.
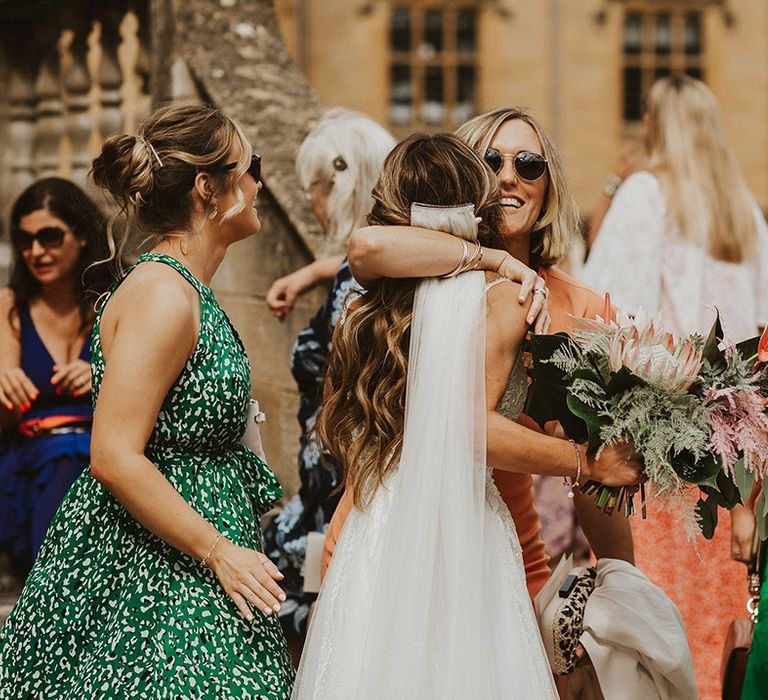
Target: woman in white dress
x=684 y=236
x=426 y=594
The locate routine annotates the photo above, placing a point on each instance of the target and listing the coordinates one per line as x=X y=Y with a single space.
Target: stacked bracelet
x=468 y=261
x=573 y=484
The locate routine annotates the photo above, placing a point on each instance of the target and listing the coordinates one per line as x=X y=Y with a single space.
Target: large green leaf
x=748 y=348
x=744 y=479
x=622 y=381
x=590 y=375
x=548 y=391
x=589 y=419
x=762 y=521
x=702 y=472
x=711 y=351
x=706 y=512
x=724 y=491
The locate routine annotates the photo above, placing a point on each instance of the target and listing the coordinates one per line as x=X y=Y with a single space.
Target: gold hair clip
x=154 y=153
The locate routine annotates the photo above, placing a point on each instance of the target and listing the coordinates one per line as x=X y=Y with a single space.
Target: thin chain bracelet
x=205 y=559
x=574 y=484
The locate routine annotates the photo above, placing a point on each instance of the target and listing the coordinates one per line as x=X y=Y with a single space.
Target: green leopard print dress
x=110 y=610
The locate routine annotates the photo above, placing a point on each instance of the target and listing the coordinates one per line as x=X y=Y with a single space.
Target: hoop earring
x=215 y=211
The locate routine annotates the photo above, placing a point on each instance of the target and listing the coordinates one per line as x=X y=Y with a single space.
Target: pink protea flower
x=642 y=345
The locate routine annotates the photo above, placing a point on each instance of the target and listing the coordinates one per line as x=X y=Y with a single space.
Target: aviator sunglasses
x=529 y=166
x=48 y=237
x=254 y=169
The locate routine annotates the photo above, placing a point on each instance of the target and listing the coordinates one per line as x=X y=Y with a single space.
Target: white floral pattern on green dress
x=110 y=610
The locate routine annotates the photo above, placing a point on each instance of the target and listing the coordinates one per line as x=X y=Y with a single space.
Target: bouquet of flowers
x=694 y=408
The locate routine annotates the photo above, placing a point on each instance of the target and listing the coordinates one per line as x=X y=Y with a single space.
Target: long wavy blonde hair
x=689 y=153
x=554 y=232
x=363 y=411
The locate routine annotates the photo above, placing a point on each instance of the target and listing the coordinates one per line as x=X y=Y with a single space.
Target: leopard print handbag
x=561 y=621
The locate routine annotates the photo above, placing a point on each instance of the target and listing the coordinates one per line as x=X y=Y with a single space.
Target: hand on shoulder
x=504 y=311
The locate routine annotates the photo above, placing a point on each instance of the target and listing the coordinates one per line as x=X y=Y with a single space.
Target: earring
x=215 y=212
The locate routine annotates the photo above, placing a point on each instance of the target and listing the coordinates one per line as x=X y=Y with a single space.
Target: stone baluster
x=143 y=67
x=49 y=121
x=21 y=125
x=110 y=77
x=77 y=86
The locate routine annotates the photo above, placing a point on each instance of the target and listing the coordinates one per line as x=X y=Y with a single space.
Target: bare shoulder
x=156 y=289
x=7 y=300
x=154 y=310
x=8 y=320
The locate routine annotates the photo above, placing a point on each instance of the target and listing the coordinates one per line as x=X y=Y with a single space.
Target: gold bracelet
x=205 y=559
x=475 y=258
x=573 y=484
x=462 y=262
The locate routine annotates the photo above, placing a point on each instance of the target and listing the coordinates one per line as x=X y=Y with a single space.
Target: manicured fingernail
x=54 y=380
x=276 y=607
x=267 y=611
x=249 y=617
x=9 y=406
x=282 y=596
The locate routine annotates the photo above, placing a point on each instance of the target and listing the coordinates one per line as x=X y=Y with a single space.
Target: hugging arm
x=376 y=252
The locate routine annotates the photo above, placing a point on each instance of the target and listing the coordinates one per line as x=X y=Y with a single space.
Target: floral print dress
x=310 y=510
x=109 y=609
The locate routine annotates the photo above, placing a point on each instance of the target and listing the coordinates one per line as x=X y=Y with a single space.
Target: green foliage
x=663 y=426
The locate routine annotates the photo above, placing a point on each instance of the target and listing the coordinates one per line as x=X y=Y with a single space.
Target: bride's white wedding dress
x=425 y=597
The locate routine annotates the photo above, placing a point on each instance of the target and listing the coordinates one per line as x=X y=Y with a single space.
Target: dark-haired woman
x=150 y=582
x=45 y=377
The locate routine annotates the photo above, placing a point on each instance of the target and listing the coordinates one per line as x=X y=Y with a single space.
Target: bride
x=425 y=596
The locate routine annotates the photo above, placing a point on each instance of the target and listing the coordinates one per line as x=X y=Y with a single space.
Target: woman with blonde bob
x=150 y=582
x=426 y=595
x=684 y=236
x=536 y=227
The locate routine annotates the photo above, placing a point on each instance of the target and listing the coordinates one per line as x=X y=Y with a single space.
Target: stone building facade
x=582 y=66
x=97 y=69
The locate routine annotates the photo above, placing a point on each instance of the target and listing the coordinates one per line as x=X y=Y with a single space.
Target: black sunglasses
x=48 y=237
x=254 y=169
x=529 y=166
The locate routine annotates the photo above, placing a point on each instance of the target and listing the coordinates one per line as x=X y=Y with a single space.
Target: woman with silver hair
x=337 y=164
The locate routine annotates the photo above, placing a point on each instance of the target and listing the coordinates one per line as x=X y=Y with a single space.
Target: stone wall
x=247 y=71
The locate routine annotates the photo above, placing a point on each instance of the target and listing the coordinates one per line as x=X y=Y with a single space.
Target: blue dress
x=36 y=473
x=310 y=510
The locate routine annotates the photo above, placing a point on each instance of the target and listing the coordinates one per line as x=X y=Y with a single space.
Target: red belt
x=53 y=425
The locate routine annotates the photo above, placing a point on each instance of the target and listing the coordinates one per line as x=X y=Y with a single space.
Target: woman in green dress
x=150 y=582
